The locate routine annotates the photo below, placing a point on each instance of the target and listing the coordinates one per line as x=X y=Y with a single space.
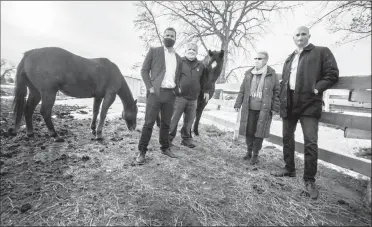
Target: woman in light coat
x=258 y=99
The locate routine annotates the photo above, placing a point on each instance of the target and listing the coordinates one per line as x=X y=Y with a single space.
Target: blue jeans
x=310 y=130
x=188 y=109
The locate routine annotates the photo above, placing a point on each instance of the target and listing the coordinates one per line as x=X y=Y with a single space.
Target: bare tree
x=6 y=70
x=146 y=21
x=233 y=25
x=351 y=17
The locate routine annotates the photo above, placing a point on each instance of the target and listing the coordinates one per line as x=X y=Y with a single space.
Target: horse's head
x=130 y=116
x=213 y=62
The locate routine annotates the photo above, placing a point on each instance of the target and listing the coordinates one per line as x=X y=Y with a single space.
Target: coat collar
x=196 y=64
x=309 y=47
x=269 y=71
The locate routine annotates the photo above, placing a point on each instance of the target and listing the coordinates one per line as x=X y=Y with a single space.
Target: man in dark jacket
x=193 y=77
x=307 y=73
x=161 y=85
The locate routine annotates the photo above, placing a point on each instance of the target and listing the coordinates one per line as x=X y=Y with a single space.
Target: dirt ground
x=86 y=182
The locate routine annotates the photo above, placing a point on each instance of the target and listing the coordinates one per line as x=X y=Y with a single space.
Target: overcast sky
x=105 y=29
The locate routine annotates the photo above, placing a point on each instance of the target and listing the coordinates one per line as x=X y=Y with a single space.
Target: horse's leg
x=47 y=101
x=34 y=98
x=96 y=104
x=158 y=120
x=107 y=102
x=199 y=110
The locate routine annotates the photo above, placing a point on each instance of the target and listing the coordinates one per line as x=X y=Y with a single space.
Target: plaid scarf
x=257 y=86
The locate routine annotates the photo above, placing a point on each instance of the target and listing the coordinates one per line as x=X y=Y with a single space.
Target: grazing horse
x=46 y=71
x=213 y=62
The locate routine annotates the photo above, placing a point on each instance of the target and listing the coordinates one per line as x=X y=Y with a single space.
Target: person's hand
x=206 y=97
x=151 y=90
x=316 y=91
x=237 y=109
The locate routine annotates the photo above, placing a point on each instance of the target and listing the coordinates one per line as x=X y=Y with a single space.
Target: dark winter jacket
x=317 y=69
x=193 y=78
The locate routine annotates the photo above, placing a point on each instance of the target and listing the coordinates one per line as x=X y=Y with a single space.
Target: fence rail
x=354 y=98
x=357 y=97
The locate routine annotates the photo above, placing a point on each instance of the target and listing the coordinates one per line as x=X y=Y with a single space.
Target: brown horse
x=46 y=71
x=213 y=62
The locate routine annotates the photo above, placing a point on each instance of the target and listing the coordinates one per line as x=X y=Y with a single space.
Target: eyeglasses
x=258 y=58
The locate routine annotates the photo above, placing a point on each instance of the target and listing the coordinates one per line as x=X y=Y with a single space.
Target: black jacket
x=193 y=77
x=317 y=69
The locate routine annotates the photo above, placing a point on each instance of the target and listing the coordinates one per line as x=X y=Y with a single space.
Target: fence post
x=236 y=130
x=221 y=98
x=326 y=101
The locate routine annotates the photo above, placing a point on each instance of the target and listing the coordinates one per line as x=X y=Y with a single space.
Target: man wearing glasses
x=307 y=73
x=259 y=101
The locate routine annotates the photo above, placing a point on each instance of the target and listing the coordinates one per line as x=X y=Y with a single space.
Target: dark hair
x=171 y=29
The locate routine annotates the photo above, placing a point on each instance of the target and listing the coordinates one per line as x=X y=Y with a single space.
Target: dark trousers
x=310 y=130
x=254 y=144
x=188 y=109
x=164 y=103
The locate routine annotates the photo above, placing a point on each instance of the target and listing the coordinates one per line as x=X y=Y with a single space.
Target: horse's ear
x=210 y=53
x=222 y=53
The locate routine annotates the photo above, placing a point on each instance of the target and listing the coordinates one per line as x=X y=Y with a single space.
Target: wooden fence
x=355 y=98
x=136 y=85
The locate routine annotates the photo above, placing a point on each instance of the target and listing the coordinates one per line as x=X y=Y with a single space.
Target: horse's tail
x=20 y=93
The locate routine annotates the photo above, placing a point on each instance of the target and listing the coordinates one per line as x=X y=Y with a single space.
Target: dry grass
x=84 y=182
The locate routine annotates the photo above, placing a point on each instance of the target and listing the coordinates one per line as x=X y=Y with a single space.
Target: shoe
x=187 y=143
x=254 y=160
x=140 y=159
x=311 y=190
x=248 y=156
x=284 y=173
x=168 y=152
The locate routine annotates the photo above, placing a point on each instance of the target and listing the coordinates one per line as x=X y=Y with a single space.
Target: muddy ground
x=86 y=182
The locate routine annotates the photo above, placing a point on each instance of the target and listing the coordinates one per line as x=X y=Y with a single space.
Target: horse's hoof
x=30 y=135
x=99 y=138
x=59 y=140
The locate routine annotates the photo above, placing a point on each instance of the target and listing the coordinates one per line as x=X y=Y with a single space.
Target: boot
x=311 y=190
x=187 y=143
x=140 y=159
x=284 y=173
x=248 y=156
x=168 y=152
x=254 y=159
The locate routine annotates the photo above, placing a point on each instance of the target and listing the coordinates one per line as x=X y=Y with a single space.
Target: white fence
x=136 y=85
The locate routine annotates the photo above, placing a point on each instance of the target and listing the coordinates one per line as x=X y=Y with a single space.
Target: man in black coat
x=193 y=78
x=307 y=73
x=160 y=73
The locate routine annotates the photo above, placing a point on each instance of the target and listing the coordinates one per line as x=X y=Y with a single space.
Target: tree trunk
x=222 y=78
